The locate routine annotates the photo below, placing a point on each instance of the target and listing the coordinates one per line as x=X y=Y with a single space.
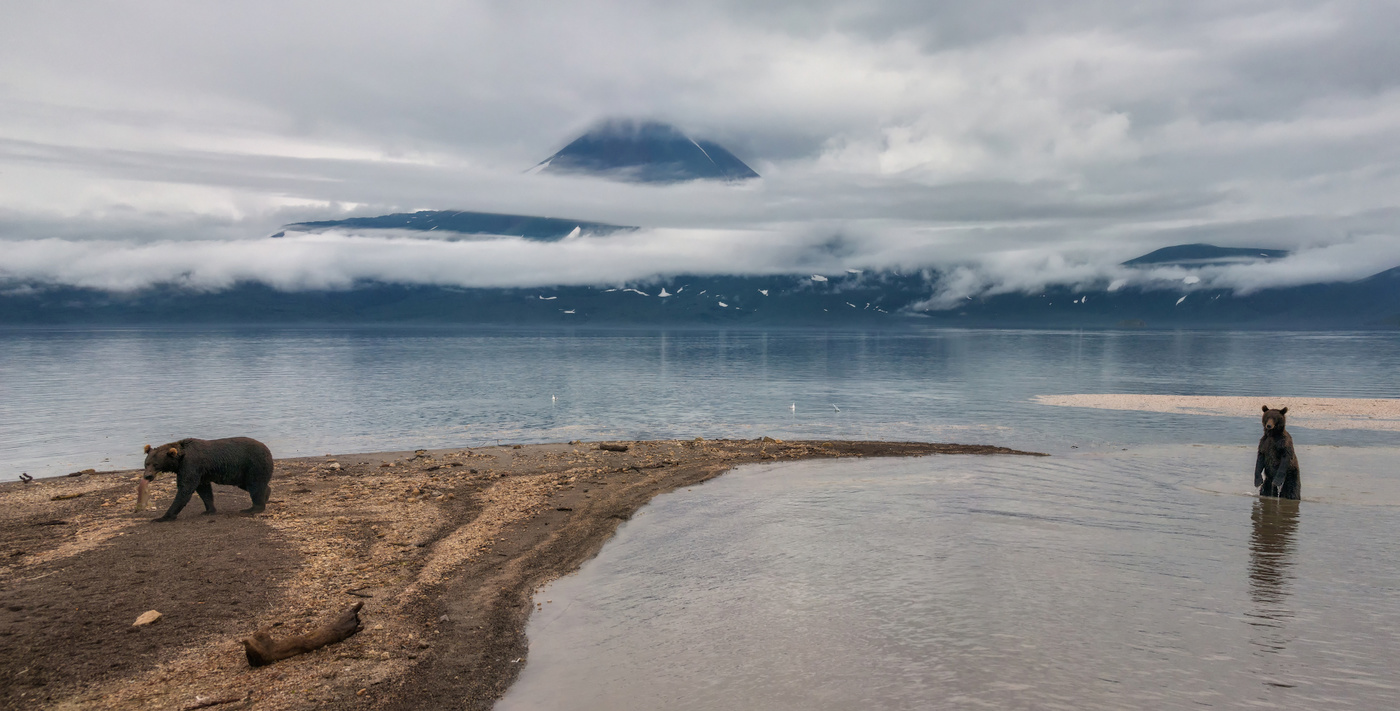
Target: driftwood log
x=262 y=649
x=613 y=447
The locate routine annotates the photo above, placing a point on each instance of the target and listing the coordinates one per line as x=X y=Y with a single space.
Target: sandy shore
x=444 y=548
x=1319 y=413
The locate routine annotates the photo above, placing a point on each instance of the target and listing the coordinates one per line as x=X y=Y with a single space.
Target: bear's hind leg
x=206 y=494
x=1292 y=487
x=260 y=497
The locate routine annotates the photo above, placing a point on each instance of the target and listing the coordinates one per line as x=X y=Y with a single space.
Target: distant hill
x=1203 y=254
x=544 y=229
x=646 y=152
x=843 y=300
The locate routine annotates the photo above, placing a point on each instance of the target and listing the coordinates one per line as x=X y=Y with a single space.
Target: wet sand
x=1319 y=413
x=443 y=547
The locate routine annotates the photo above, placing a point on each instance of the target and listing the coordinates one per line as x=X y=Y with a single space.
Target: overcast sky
x=1007 y=143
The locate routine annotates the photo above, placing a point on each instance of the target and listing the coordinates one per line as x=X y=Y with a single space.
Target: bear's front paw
x=162 y=519
x=209 y=512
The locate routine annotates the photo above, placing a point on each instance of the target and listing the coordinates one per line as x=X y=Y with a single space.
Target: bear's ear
x=147 y=450
x=174 y=452
x=1284 y=411
x=1266 y=408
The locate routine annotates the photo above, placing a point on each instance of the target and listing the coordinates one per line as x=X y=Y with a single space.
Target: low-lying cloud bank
x=332 y=261
x=1031 y=271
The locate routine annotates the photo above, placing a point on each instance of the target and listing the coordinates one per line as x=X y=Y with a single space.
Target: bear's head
x=1274 y=420
x=165 y=458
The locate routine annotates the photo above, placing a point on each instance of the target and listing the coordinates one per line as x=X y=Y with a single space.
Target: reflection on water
x=1270 y=554
x=1270 y=570
x=1124 y=579
x=73 y=399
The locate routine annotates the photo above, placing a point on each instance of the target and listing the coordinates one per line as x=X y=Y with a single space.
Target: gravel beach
x=444 y=548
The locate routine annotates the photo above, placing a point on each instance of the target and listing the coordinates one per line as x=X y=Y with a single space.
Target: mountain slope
x=1203 y=254
x=646 y=152
x=543 y=229
x=868 y=300
x=843 y=299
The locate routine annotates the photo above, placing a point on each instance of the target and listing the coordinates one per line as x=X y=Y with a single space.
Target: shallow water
x=1146 y=578
x=77 y=398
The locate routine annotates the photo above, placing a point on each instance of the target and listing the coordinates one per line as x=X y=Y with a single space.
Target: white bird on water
x=834 y=407
x=793 y=407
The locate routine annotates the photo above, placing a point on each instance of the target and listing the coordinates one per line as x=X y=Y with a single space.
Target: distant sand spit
x=1319 y=413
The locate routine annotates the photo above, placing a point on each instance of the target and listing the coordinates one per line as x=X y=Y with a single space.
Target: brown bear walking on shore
x=198 y=463
x=1276 y=468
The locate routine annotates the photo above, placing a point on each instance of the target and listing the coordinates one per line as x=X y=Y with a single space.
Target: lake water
x=1130 y=569
x=73 y=399
x=1139 y=579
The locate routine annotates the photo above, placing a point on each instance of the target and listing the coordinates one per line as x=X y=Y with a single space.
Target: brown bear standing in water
x=1276 y=468
x=198 y=463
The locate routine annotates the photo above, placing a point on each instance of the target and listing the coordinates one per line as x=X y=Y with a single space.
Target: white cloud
x=334 y=260
x=1033 y=270
x=1008 y=143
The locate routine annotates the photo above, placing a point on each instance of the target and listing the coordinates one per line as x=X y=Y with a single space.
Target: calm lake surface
x=73 y=399
x=1130 y=569
x=1143 y=579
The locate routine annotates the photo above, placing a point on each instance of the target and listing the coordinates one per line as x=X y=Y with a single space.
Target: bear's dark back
x=235 y=461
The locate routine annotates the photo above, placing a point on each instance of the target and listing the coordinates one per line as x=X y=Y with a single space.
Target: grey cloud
x=1004 y=142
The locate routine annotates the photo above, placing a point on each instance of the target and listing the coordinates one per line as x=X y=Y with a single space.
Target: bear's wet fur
x=1276 y=468
x=198 y=463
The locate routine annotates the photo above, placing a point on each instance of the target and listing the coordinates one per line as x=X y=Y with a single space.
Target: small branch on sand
x=262 y=650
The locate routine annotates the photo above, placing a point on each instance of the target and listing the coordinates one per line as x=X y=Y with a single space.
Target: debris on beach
x=262 y=650
x=147 y=618
x=143 y=495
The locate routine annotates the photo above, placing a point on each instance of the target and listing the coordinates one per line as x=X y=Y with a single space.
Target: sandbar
x=444 y=548
x=1319 y=413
